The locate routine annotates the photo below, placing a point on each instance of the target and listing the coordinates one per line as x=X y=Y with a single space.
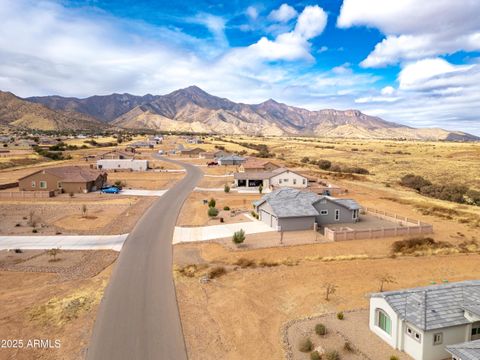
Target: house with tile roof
x=279 y=177
x=427 y=323
x=69 y=179
x=289 y=209
x=253 y=164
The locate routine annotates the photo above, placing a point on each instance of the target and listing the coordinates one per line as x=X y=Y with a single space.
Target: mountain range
x=192 y=109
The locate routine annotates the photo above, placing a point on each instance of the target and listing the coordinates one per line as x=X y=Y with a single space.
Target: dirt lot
x=194 y=211
x=56 y=305
x=149 y=180
x=240 y=315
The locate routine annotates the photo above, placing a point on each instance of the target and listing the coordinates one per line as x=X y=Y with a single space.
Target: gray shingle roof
x=288 y=202
x=434 y=307
x=348 y=203
x=466 y=351
x=232 y=157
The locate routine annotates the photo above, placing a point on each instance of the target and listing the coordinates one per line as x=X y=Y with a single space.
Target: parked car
x=212 y=163
x=160 y=152
x=110 y=190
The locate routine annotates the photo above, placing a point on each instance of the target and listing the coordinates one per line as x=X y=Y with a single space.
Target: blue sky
x=411 y=62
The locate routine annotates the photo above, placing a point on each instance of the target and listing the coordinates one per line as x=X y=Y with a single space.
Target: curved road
x=138 y=318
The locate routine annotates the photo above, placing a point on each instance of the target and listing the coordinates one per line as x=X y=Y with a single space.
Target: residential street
x=138 y=317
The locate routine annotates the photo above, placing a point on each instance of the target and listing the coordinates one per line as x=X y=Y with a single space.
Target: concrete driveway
x=65 y=242
x=202 y=233
x=134 y=192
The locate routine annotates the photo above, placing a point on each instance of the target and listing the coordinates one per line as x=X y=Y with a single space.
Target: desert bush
x=348 y=347
x=34 y=231
x=315 y=355
x=320 y=329
x=18 y=251
x=245 y=263
x=226 y=208
x=305 y=345
x=212 y=211
x=473 y=197
x=324 y=164
x=18 y=225
x=356 y=170
x=267 y=263
x=340 y=315
x=414 y=181
x=394 y=357
x=212 y=203
x=53 y=253
x=238 y=237
x=332 y=355
x=260 y=189
x=216 y=272
x=411 y=245
x=226 y=188
x=305 y=160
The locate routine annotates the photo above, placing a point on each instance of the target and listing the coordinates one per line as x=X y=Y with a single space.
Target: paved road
x=138 y=318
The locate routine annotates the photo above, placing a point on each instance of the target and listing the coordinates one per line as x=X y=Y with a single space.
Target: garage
x=297 y=223
x=269 y=219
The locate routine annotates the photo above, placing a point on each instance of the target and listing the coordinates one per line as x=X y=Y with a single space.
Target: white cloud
x=252 y=12
x=283 y=14
x=388 y=90
x=415 y=29
x=311 y=22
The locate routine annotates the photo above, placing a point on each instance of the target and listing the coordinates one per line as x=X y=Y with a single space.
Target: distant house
x=116 y=154
x=279 y=177
x=427 y=322
x=290 y=209
x=122 y=164
x=143 y=144
x=213 y=154
x=70 y=179
x=195 y=152
x=257 y=165
x=231 y=160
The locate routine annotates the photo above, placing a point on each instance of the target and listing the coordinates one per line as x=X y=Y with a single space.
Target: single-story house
x=424 y=322
x=257 y=165
x=195 y=152
x=231 y=160
x=213 y=154
x=279 y=177
x=70 y=179
x=289 y=209
x=466 y=351
x=143 y=144
x=116 y=154
x=122 y=164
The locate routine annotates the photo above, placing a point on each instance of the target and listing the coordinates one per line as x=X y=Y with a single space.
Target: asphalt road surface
x=138 y=318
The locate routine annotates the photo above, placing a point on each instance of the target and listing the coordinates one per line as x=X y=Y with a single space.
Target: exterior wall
x=77 y=187
x=122 y=164
x=410 y=345
x=265 y=213
x=451 y=336
x=297 y=223
x=392 y=339
x=25 y=184
x=289 y=179
x=346 y=215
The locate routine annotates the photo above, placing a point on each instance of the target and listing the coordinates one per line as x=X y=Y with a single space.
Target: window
x=304 y=181
x=323 y=212
x=43 y=184
x=59 y=184
x=415 y=335
x=475 y=332
x=33 y=184
x=337 y=215
x=355 y=214
x=286 y=180
x=384 y=322
x=279 y=181
x=437 y=338
x=294 y=181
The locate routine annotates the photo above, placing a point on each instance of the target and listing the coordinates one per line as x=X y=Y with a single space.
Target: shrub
x=305 y=345
x=340 y=315
x=414 y=181
x=34 y=231
x=212 y=203
x=315 y=355
x=18 y=251
x=260 y=189
x=305 y=160
x=238 y=237
x=324 y=164
x=226 y=208
x=411 y=245
x=320 y=329
x=332 y=355
x=394 y=357
x=245 y=263
x=17 y=225
x=348 y=347
x=216 y=272
x=226 y=188
x=212 y=211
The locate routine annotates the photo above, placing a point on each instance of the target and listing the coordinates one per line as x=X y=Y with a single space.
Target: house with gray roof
x=279 y=177
x=428 y=322
x=466 y=351
x=288 y=209
x=231 y=160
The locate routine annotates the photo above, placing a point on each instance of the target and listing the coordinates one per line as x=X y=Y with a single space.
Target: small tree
x=320 y=329
x=385 y=279
x=212 y=203
x=238 y=237
x=31 y=219
x=212 y=211
x=305 y=345
x=260 y=189
x=226 y=188
x=53 y=253
x=84 y=210
x=330 y=289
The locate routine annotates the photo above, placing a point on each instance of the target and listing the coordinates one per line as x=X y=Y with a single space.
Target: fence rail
x=402 y=226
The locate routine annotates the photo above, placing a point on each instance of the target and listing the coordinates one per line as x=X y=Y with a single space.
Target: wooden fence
x=26 y=194
x=402 y=226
